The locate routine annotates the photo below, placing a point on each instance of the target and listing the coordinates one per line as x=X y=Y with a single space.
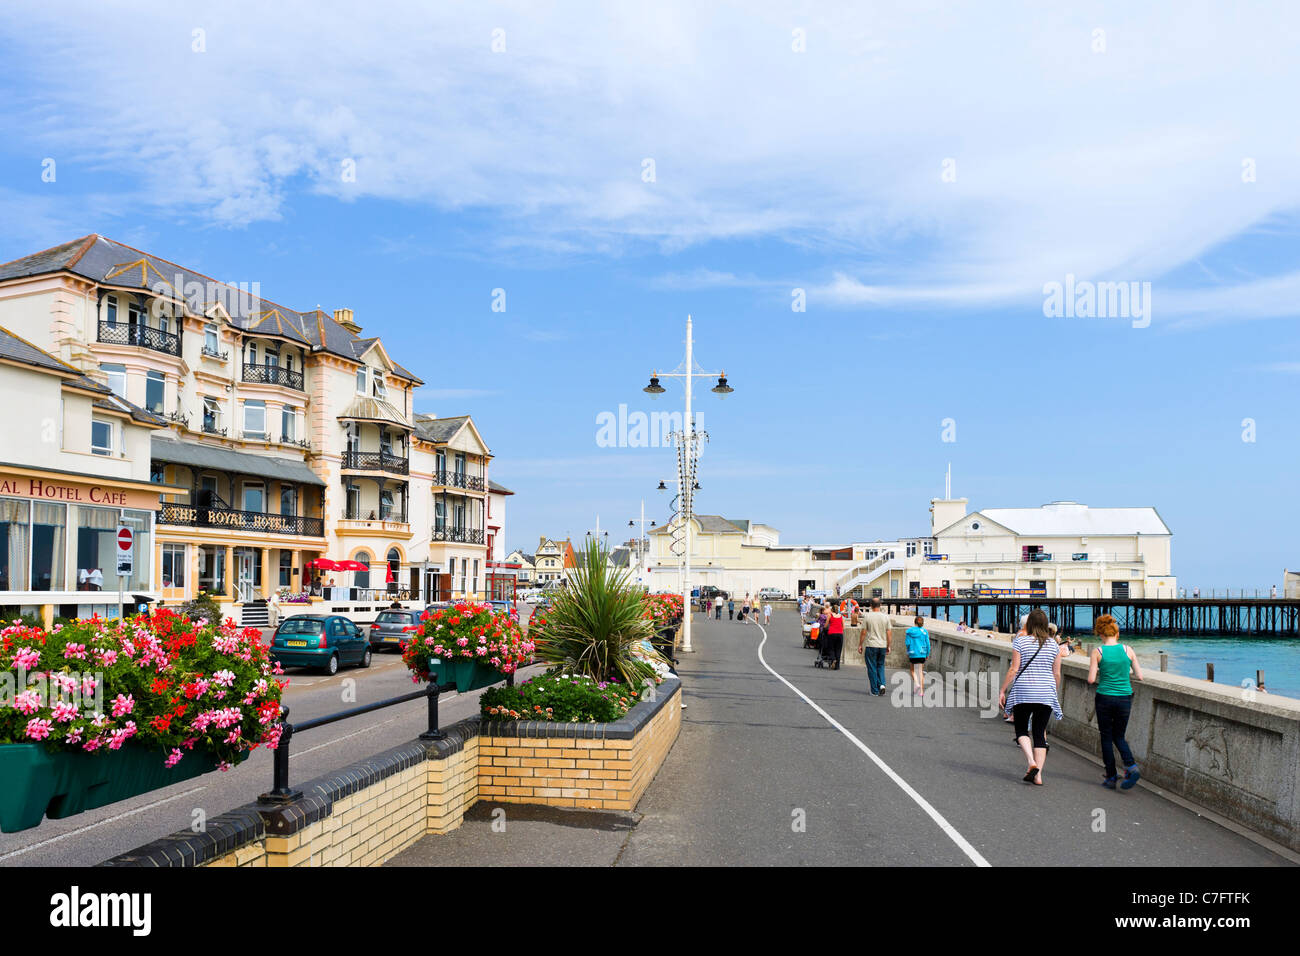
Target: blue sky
x=920 y=172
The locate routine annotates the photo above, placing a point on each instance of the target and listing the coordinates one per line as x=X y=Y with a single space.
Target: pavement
x=781 y=763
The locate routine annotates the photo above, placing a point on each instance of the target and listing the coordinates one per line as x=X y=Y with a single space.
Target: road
x=780 y=763
x=92 y=837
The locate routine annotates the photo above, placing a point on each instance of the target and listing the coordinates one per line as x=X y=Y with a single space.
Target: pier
x=1237 y=617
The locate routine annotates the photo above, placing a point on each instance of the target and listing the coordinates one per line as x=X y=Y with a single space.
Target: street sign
x=125 y=551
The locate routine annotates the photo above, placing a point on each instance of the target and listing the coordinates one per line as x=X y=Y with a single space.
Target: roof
x=620 y=557
x=438 y=430
x=198 y=455
x=109 y=262
x=1070 y=519
x=18 y=349
x=713 y=524
x=374 y=410
x=499 y=489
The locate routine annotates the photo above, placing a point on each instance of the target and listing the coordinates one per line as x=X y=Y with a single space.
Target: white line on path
x=924 y=804
x=91 y=826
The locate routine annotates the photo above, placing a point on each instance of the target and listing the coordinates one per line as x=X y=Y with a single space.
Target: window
x=286 y=568
x=440 y=514
x=116 y=379
x=210 y=339
x=380 y=391
x=911 y=549
x=442 y=463
x=254 y=419
x=211 y=415
x=929 y=547
x=110 y=305
x=361 y=380
x=154 y=390
x=252 y=353
x=394 y=565
x=173 y=565
x=157 y=472
x=288 y=500
x=101 y=437
x=288 y=424
x=385 y=504
x=135 y=315
x=460 y=464
x=385 y=441
x=254 y=496
x=362 y=579
x=354 y=502
x=15 y=535
x=49 y=525
x=272 y=357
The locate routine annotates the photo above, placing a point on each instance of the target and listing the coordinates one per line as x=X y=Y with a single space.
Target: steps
x=254 y=614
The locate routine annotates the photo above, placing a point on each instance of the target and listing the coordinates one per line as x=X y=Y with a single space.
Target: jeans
x=875 y=658
x=1112 y=721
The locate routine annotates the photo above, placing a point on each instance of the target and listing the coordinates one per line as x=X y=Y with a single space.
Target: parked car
x=772 y=594
x=507 y=606
x=320 y=640
x=710 y=591
x=390 y=628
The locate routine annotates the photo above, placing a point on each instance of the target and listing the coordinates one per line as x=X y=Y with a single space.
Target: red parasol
x=351 y=566
x=389 y=579
x=323 y=564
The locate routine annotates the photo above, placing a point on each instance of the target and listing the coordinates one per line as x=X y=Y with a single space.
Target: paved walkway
x=762 y=775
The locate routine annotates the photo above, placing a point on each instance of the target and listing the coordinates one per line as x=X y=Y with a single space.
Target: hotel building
x=275 y=438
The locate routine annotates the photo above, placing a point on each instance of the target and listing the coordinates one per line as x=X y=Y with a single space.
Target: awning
x=374 y=410
x=211 y=457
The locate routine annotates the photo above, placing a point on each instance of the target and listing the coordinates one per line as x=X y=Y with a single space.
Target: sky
x=864 y=208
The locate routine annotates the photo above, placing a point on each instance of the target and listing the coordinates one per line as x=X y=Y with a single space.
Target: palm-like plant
x=593 y=625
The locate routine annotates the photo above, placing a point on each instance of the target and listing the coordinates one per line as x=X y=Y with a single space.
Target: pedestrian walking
x=834 y=643
x=1029 y=691
x=917 y=639
x=731 y=610
x=767 y=613
x=273 y=610
x=1109 y=667
x=874 y=644
x=717 y=608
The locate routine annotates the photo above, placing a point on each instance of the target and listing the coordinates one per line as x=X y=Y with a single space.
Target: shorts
x=917 y=660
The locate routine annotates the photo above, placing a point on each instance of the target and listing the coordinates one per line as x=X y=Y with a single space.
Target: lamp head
x=722 y=389
x=654 y=388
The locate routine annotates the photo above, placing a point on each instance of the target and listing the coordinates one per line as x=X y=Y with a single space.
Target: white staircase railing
x=866 y=572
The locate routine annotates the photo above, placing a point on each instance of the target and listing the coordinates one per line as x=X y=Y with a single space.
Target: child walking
x=918 y=649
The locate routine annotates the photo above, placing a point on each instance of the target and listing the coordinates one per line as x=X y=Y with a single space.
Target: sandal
x=1031 y=775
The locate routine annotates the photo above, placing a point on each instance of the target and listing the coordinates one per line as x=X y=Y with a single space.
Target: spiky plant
x=594 y=623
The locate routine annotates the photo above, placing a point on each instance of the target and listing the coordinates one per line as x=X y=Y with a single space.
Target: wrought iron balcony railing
x=395 y=516
x=376 y=461
x=124 y=333
x=272 y=375
x=458 y=479
x=458 y=535
x=199 y=517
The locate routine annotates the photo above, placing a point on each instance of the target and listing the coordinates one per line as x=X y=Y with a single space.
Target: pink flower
x=174 y=758
x=75 y=650
x=65 y=712
x=38 y=729
x=26 y=658
x=28 y=702
x=88 y=685
x=94 y=743
x=122 y=705
x=105 y=656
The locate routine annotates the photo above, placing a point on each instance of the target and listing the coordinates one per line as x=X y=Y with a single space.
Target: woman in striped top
x=1029 y=690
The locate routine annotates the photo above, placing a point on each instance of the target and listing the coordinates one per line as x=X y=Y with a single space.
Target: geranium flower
x=37 y=729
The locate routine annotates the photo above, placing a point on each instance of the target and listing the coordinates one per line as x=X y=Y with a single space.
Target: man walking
x=717 y=608
x=873 y=645
x=731 y=610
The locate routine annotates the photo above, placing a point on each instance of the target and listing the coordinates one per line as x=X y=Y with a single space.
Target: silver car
x=390 y=628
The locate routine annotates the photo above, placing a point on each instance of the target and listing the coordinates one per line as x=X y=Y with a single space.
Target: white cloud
x=1117 y=165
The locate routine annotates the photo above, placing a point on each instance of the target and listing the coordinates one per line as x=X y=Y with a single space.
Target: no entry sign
x=125 y=551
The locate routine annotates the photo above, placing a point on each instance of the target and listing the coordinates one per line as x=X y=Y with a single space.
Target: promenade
x=780 y=763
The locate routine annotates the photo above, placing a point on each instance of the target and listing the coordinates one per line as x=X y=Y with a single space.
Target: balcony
x=393 y=515
x=458 y=479
x=124 y=333
x=376 y=461
x=272 y=375
x=257 y=521
x=457 y=535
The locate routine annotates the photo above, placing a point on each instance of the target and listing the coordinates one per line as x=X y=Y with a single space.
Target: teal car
x=324 y=641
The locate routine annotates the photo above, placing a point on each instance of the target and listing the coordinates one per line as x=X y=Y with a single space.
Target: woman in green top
x=1108 y=668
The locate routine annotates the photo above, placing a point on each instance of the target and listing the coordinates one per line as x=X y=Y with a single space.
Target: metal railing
x=272 y=375
x=459 y=535
x=199 y=517
x=396 y=515
x=458 y=479
x=376 y=461
x=124 y=333
x=219 y=354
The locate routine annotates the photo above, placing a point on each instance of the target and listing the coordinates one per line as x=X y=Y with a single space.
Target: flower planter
x=38 y=783
x=467 y=674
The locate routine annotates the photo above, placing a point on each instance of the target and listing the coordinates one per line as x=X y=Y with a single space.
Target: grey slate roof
x=499 y=489
x=373 y=410
x=438 y=429
x=620 y=557
x=112 y=263
x=197 y=455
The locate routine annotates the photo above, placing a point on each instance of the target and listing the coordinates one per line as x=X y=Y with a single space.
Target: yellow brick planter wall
x=368 y=812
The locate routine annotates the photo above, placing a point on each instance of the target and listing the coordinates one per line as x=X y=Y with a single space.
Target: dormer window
x=210 y=341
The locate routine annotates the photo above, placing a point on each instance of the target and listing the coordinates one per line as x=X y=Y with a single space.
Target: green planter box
x=36 y=783
x=468 y=674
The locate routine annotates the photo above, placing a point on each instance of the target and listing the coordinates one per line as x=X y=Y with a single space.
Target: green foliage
x=9 y=614
x=567 y=698
x=594 y=624
x=203 y=607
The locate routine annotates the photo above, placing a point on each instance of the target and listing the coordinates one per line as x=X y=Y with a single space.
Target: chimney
x=344 y=318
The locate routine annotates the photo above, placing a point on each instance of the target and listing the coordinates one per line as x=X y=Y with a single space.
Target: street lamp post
x=642 y=543
x=687 y=458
